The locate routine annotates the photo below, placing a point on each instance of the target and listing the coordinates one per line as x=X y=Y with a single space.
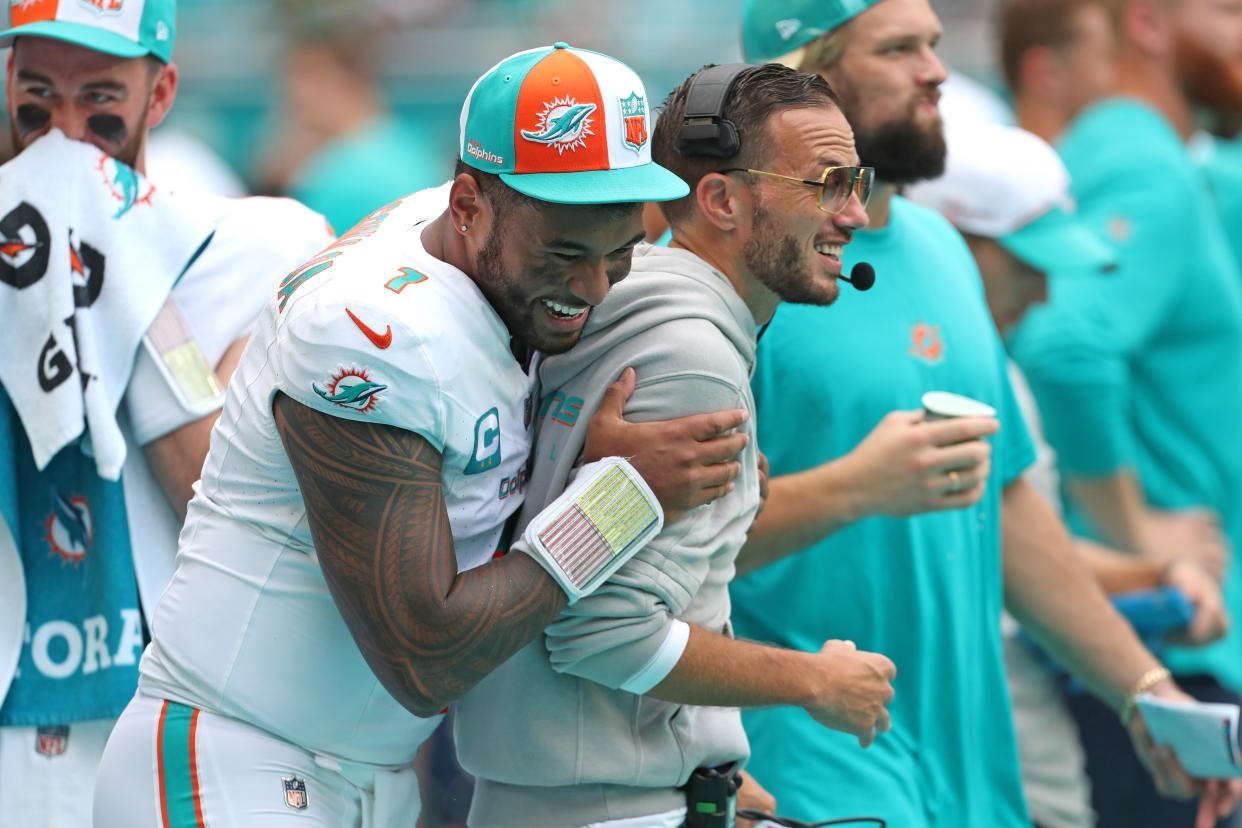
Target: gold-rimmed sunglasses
x=835 y=185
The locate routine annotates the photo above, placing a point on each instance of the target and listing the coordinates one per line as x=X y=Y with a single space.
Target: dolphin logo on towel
x=69 y=527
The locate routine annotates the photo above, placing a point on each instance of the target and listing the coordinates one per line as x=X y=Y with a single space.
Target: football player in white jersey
x=102 y=73
x=334 y=589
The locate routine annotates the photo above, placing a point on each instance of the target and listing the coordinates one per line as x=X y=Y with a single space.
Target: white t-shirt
x=374 y=329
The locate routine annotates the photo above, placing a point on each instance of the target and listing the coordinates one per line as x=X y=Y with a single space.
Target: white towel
x=88 y=253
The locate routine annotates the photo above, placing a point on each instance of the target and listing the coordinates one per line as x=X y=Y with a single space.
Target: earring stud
x=465 y=229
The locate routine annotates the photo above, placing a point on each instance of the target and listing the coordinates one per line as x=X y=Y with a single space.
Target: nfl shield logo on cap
x=634 y=112
x=565 y=125
x=125 y=28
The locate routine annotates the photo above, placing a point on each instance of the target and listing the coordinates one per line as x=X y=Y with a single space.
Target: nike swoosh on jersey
x=380 y=341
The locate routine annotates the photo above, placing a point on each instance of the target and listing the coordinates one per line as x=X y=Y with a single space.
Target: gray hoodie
x=549 y=736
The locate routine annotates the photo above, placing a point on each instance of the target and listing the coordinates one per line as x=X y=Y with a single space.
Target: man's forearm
x=1117 y=571
x=719 y=671
x=841 y=687
x=1051 y=592
x=1115 y=505
x=802 y=509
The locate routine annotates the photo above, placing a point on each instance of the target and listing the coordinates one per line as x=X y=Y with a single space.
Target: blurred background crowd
x=346 y=104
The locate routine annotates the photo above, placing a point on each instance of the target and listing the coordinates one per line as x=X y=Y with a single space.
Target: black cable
x=789 y=822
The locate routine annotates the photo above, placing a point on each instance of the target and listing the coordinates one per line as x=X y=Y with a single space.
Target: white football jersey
x=373 y=329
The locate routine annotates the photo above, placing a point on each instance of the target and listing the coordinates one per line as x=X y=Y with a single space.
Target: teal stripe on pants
x=178 y=773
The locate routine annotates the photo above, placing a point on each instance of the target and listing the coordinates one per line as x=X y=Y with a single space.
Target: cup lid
x=948 y=404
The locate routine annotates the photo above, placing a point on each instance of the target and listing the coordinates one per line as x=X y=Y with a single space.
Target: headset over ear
x=704 y=129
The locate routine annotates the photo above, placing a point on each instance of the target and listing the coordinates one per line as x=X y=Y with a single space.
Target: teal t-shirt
x=1221 y=161
x=925 y=591
x=360 y=172
x=1141 y=369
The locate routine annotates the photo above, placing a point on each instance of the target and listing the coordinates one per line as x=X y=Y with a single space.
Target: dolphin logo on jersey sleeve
x=352 y=388
x=355 y=396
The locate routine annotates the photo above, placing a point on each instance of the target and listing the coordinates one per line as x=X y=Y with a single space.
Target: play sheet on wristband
x=1203 y=735
x=605 y=516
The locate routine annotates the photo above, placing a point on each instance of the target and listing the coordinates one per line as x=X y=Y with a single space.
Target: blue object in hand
x=1156 y=612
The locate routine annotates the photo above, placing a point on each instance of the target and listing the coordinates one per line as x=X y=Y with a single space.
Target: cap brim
x=646 y=182
x=90 y=37
x=1059 y=243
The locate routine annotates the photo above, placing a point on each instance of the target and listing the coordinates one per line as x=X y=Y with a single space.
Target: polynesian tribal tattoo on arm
x=377 y=516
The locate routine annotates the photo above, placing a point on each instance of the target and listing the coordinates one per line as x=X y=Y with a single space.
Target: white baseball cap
x=1005 y=183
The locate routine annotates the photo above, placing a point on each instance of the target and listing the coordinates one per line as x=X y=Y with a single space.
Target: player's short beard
x=505 y=294
x=1210 y=83
x=779 y=262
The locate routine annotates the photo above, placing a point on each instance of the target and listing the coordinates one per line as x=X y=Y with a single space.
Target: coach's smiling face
x=544 y=266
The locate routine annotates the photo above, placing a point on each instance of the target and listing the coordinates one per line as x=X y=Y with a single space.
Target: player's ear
x=469 y=209
x=163 y=92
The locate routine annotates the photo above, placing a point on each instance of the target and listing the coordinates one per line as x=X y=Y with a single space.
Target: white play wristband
x=605 y=516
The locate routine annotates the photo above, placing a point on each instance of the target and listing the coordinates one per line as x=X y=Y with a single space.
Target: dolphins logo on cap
x=564 y=124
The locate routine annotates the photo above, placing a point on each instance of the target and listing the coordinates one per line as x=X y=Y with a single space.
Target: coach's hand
x=907 y=466
x=856 y=687
x=687 y=462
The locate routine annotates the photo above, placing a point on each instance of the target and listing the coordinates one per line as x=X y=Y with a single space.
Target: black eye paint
x=108 y=127
x=32 y=118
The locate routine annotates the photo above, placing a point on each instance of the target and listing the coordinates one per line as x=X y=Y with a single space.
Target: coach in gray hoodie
x=639 y=684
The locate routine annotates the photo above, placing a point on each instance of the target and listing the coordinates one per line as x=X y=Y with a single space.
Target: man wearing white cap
x=1137 y=375
x=71 y=632
x=1007 y=191
x=336 y=587
x=925 y=590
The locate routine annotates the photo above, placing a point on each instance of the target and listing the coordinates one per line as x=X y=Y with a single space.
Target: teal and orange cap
x=565 y=125
x=125 y=28
x=773 y=29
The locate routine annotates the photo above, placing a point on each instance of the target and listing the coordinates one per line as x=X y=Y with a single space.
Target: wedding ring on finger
x=955 y=482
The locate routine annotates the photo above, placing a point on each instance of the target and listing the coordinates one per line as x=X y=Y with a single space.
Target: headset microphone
x=862 y=276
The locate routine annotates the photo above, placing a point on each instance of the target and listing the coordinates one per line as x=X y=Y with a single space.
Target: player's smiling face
x=544 y=267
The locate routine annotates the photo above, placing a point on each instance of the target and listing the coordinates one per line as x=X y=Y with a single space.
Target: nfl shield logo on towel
x=52 y=741
x=295 y=792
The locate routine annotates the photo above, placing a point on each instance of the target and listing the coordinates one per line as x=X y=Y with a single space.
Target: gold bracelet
x=1147 y=681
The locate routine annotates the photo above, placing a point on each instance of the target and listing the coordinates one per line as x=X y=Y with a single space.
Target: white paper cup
x=944 y=405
